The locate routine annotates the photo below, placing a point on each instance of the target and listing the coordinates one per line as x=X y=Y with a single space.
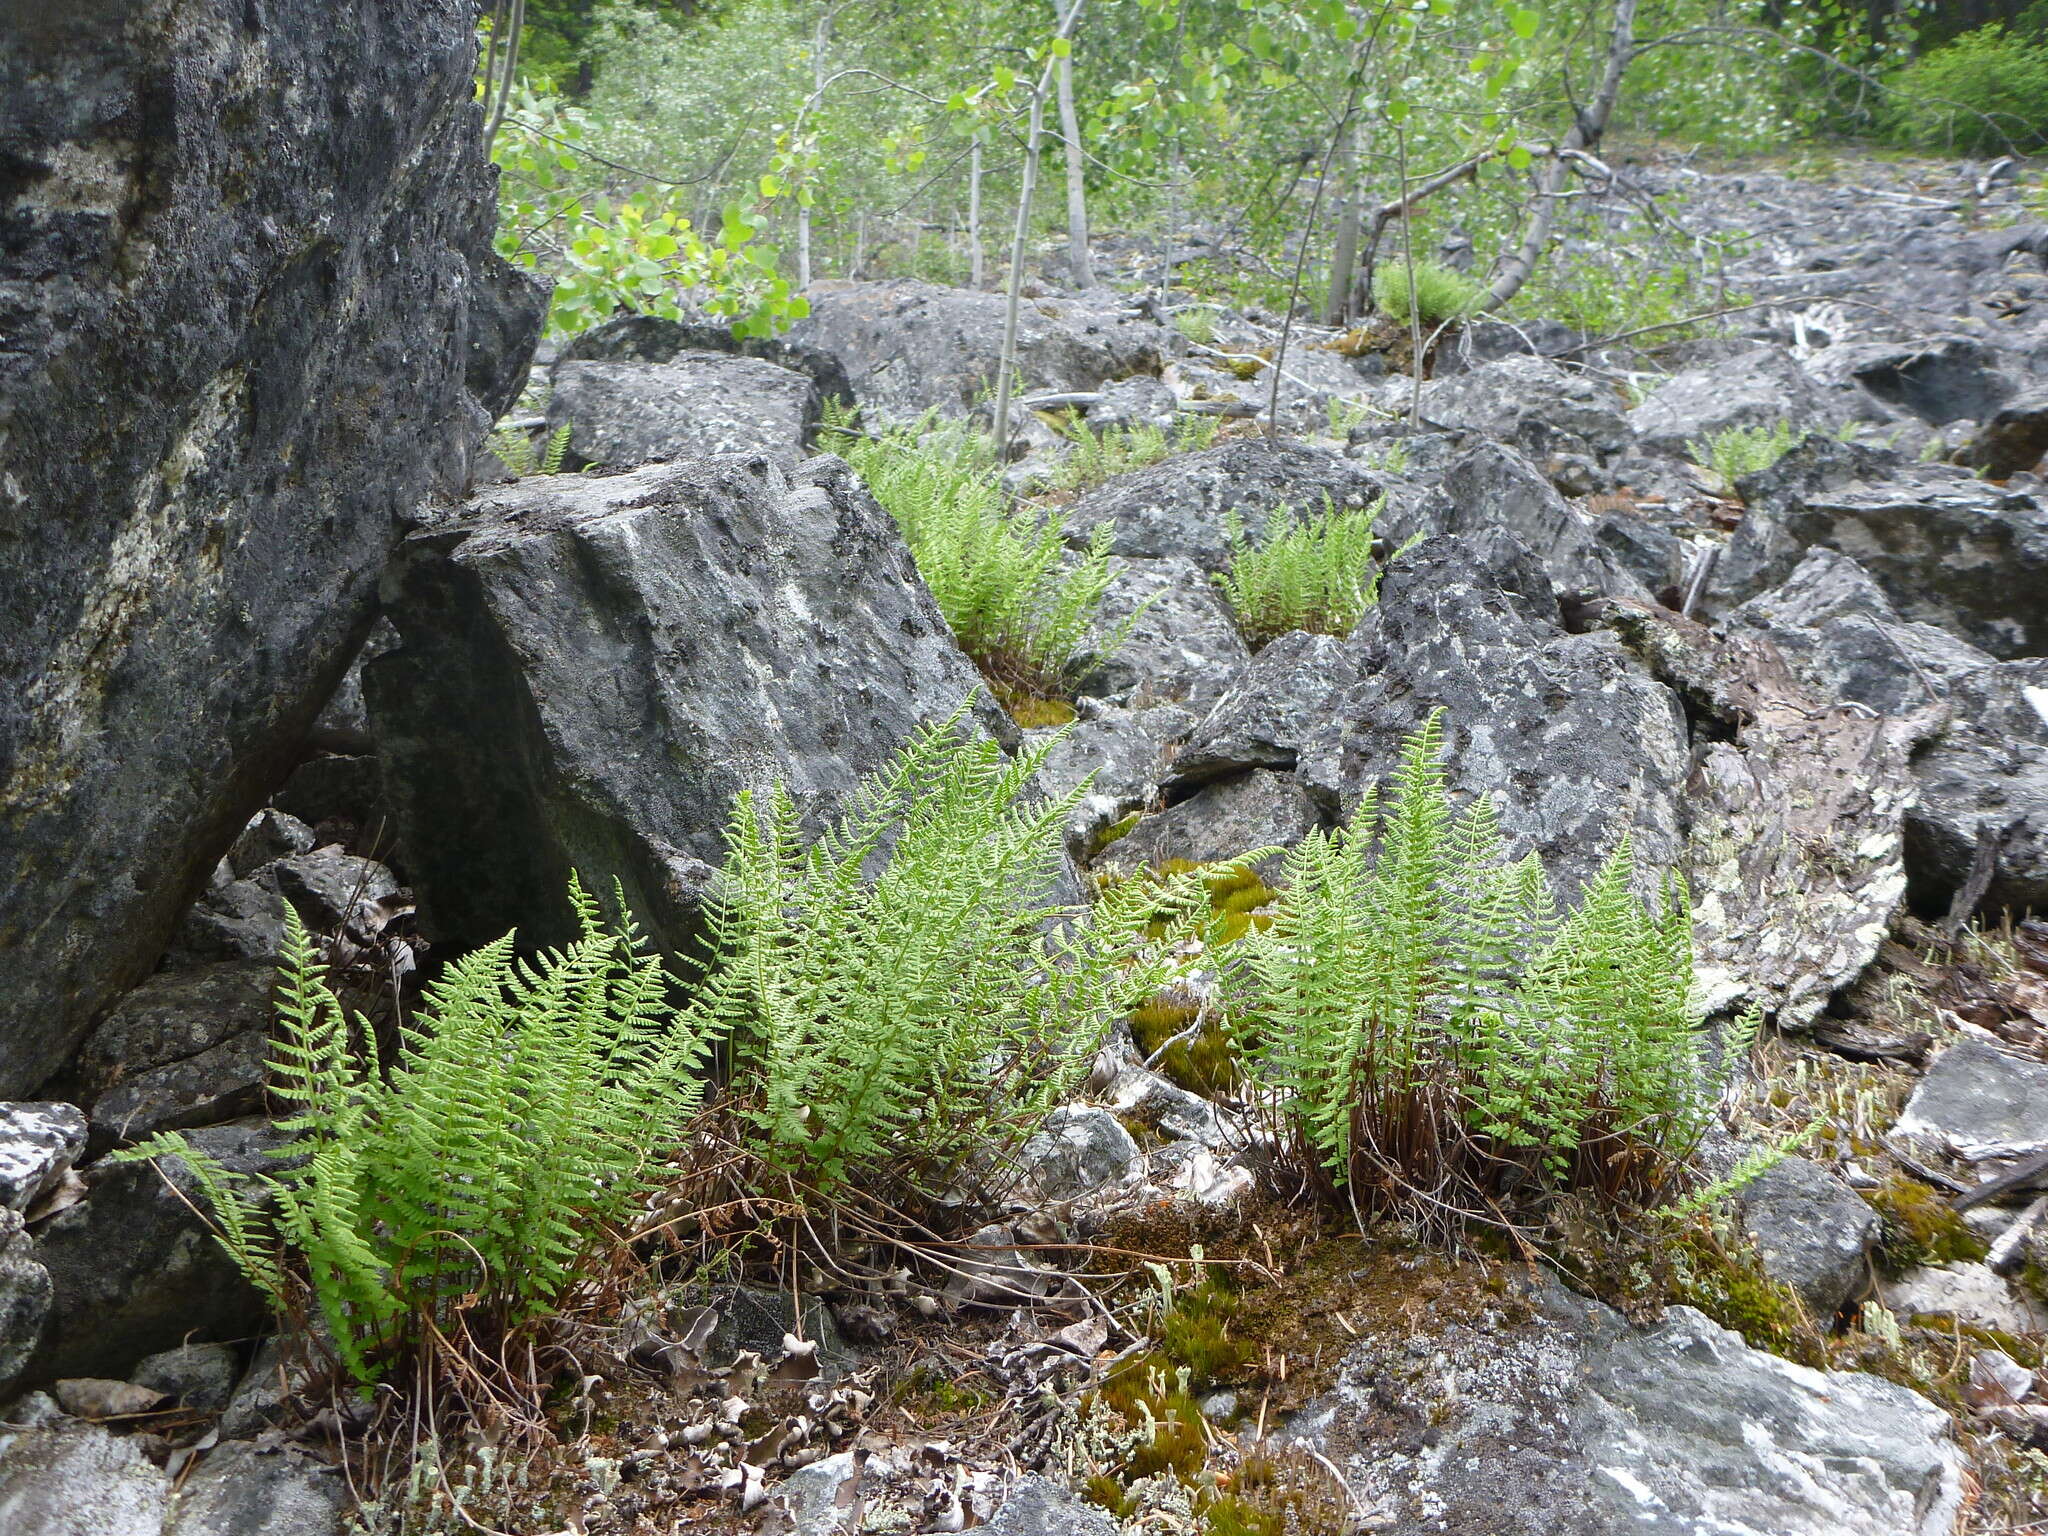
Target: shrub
x=1443 y=1037
x=465 y=1185
x=1441 y=293
x=1316 y=575
x=1737 y=451
x=1000 y=574
x=905 y=995
x=1984 y=93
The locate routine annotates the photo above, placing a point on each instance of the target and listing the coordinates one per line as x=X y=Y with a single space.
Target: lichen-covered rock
x=237 y=1490
x=1985 y=769
x=38 y=1144
x=1183 y=648
x=1532 y=404
x=241 y=249
x=201 y=1377
x=1764 y=388
x=1572 y=741
x=24 y=1301
x=1080 y=1151
x=244 y=919
x=1120 y=752
x=592 y=668
x=79 y=1480
x=1976 y=1098
x=1938 y=380
x=1494 y=486
x=1568 y=1420
x=905 y=347
x=1178 y=506
x=1795 y=856
x=175 y=1015
x=623 y=415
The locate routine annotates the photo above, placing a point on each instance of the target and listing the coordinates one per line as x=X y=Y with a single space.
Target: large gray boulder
x=1938 y=380
x=242 y=248
x=1763 y=388
x=1531 y=403
x=1182 y=644
x=1493 y=486
x=1985 y=769
x=79 y=1480
x=1567 y=735
x=1568 y=1420
x=905 y=347
x=623 y=415
x=1178 y=506
x=1953 y=552
x=1218 y=823
x=592 y=668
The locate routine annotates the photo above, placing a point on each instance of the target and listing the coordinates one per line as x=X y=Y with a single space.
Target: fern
x=517 y=452
x=1440 y=293
x=904 y=997
x=469 y=1180
x=1097 y=457
x=1438 y=1033
x=1737 y=451
x=1317 y=574
x=1017 y=602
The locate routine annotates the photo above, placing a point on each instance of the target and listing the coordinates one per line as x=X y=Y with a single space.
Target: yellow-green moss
x=1033 y=713
x=1206 y=1064
x=1919 y=1227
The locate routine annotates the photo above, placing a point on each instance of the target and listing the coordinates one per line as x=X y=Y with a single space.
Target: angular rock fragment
x=1531 y=403
x=592 y=668
x=623 y=415
x=1761 y=389
x=1183 y=647
x=1812 y=1231
x=1217 y=824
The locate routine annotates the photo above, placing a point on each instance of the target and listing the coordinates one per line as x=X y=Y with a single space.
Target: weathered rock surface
x=1218 y=823
x=79 y=1480
x=1121 y=752
x=136 y=1271
x=1796 y=850
x=1976 y=1098
x=244 y=919
x=1183 y=648
x=1532 y=404
x=1179 y=505
x=1080 y=1151
x=1573 y=1422
x=623 y=415
x=2014 y=439
x=1938 y=380
x=237 y=1490
x=1035 y=1507
x=905 y=347
x=1813 y=1232
x=175 y=1015
x=593 y=667
x=238 y=357
x=38 y=1144
x=1568 y=736
x=1494 y=486
x=1760 y=389
x=1955 y=553
x=1970 y=1293
x=1276 y=704
x=202 y=1377
x=24 y=1301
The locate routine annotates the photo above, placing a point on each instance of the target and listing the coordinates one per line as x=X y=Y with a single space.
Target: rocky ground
x=1820 y=692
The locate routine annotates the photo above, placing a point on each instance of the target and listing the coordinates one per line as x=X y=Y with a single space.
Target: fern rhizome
x=1444 y=1041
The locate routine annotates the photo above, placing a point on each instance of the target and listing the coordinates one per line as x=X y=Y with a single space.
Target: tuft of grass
x=1440 y=294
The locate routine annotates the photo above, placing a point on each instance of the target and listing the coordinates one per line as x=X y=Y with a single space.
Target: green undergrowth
x=1920 y=1227
x=1315 y=573
x=1098 y=457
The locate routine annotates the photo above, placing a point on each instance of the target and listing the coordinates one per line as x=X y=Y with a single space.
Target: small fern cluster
x=1445 y=1039
x=470 y=1178
x=897 y=1026
x=1737 y=451
x=517 y=451
x=1102 y=456
x=1001 y=574
x=1316 y=574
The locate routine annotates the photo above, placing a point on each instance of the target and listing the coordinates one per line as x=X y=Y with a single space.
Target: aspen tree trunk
x=975 y=273
x=1583 y=134
x=1077 y=188
x=1339 y=305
